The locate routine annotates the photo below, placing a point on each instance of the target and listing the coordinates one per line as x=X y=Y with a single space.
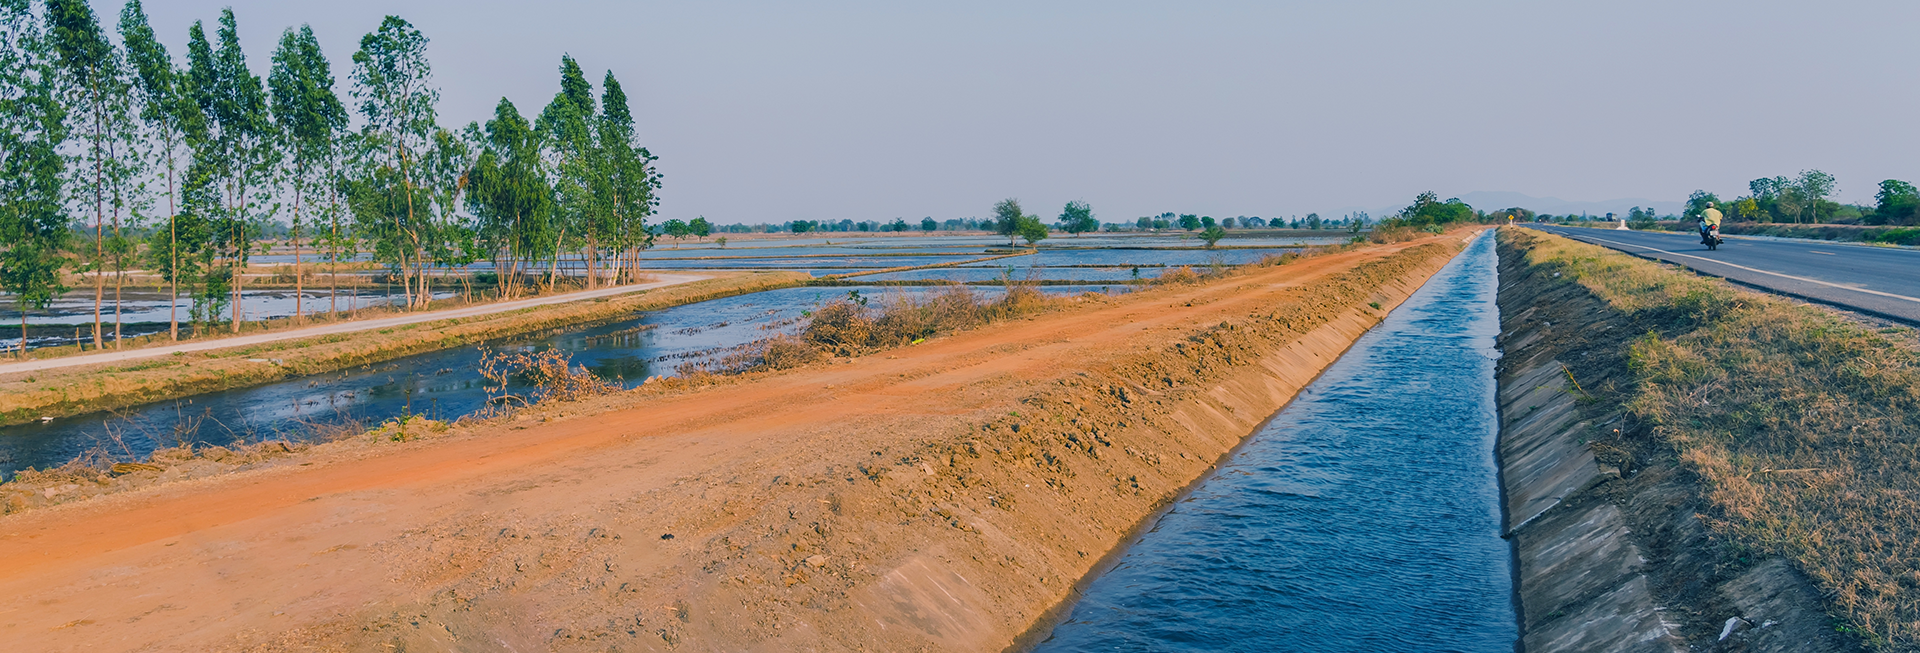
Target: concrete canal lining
x=1611 y=552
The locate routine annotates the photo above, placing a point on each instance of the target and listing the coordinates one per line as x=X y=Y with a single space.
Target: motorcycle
x=1710 y=236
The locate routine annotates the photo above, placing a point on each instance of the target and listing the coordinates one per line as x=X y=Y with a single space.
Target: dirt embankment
x=26 y=396
x=943 y=496
x=1620 y=542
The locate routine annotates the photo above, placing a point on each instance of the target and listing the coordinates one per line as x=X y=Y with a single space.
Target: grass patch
x=1803 y=426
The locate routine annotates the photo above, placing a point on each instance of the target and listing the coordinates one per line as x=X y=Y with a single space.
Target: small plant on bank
x=550 y=372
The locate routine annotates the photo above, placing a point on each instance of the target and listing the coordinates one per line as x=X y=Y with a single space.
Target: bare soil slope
x=945 y=496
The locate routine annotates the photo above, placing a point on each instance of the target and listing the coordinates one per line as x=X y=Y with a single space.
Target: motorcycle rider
x=1709 y=219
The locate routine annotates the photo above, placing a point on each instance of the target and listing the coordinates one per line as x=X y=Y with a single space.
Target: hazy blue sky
x=764 y=111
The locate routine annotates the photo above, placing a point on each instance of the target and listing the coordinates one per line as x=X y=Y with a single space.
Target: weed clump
x=1180 y=276
x=857 y=325
x=550 y=374
x=848 y=327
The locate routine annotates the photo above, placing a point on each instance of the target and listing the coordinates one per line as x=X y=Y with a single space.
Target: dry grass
x=847 y=328
x=550 y=373
x=96 y=473
x=1804 y=427
x=853 y=326
x=1179 y=276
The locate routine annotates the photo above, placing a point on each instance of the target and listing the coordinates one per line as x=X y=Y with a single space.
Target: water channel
x=1362 y=517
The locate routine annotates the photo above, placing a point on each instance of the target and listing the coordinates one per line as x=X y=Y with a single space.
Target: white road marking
x=1915 y=300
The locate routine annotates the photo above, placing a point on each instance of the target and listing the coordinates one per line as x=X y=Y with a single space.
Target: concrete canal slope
x=946 y=496
x=1612 y=551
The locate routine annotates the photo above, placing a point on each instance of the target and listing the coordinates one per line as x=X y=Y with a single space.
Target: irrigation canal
x=1365 y=516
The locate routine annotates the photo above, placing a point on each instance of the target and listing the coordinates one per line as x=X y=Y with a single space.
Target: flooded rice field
x=439 y=385
x=1356 y=519
x=446 y=385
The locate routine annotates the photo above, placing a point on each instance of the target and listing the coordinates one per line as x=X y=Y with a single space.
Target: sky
x=777 y=111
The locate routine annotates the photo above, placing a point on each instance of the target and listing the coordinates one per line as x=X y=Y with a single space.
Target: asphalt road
x=1883 y=281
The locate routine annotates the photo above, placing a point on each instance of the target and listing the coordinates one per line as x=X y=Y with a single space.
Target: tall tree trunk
x=173 y=244
x=554 y=273
x=239 y=263
x=333 y=249
x=99 y=213
x=299 y=289
x=239 y=279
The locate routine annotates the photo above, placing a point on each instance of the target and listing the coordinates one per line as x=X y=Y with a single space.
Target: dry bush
x=1178 y=276
x=776 y=353
x=1271 y=260
x=1800 y=424
x=550 y=372
x=840 y=327
x=847 y=328
x=1398 y=234
x=787 y=352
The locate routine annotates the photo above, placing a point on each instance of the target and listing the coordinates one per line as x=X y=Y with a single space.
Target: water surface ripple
x=1363 y=517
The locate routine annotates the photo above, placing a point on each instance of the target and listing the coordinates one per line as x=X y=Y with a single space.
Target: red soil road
x=245 y=559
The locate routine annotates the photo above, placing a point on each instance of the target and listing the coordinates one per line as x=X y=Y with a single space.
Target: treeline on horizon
x=1801 y=199
x=1428 y=213
x=117 y=155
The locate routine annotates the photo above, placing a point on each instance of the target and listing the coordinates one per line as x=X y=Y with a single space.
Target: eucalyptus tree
x=311 y=119
x=451 y=241
x=169 y=114
x=393 y=85
x=633 y=183
x=235 y=155
x=580 y=179
x=508 y=189
x=89 y=73
x=33 y=220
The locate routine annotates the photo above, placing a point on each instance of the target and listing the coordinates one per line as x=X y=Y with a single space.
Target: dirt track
x=936 y=497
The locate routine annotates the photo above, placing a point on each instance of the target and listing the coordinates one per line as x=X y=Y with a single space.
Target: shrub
x=550 y=372
x=846 y=328
x=840 y=327
x=1179 y=275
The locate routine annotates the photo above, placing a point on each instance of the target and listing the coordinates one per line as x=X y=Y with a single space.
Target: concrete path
x=1882 y=281
x=664 y=280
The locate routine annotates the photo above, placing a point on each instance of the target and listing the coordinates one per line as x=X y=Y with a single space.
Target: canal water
x=1362 y=517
